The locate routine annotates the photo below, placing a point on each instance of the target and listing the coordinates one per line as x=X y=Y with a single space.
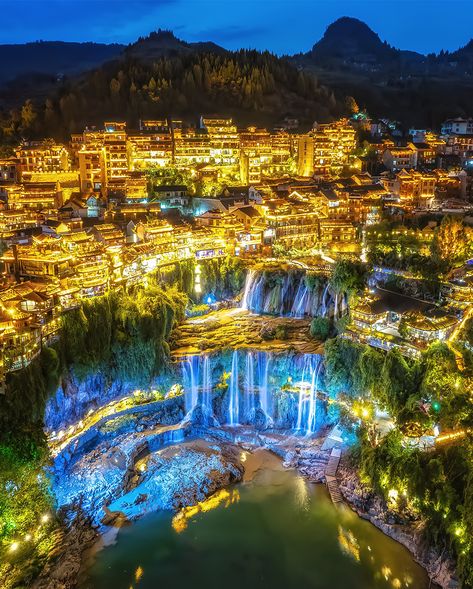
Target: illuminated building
x=326 y=149
x=224 y=139
x=305 y=155
x=37 y=196
x=115 y=157
x=336 y=231
x=410 y=187
x=152 y=147
x=45 y=156
x=170 y=196
x=291 y=224
x=39 y=260
x=192 y=147
x=255 y=154
x=136 y=188
x=429 y=328
x=9 y=170
x=458 y=126
x=342 y=139
x=399 y=158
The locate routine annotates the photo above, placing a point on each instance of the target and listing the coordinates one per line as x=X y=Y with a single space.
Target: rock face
x=74 y=398
x=62 y=569
x=179 y=476
x=368 y=505
x=135 y=475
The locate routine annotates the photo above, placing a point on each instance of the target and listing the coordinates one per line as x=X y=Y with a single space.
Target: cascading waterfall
x=299 y=306
x=234 y=392
x=250 y=277
x=250 y=397
x=311 y=422
x=263 y=361
x=308 y=386
x=288 y=294
x=197 y=381
x=190 y=369
x=206 y=399
x=324 y=301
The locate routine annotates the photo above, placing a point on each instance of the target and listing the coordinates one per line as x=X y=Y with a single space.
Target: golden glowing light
x=222 y=497
x=348 y=543
x=138 y=574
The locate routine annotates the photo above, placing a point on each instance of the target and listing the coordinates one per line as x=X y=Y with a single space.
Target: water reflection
x=223 y=497
x=273 y=531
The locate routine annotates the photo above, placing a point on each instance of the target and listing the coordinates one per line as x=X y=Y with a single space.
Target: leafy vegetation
x=320 y=328
x=27 y=527
x=147 y=82
x=349 y=277
x=418 y=393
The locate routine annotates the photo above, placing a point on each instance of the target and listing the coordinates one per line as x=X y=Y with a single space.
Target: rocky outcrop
x=74 y=398
x=64 y=563
x=179 y=476
x=409 y=533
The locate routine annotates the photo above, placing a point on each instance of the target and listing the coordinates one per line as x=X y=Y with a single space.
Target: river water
x=273 y=530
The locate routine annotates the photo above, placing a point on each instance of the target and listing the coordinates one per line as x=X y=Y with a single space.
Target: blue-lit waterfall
x=289 y=294
x=234 y=392
x=256 y=390
x=190 y=370
x=308 y=388
x=197 y=382
x=250 y=395
x=263 y=362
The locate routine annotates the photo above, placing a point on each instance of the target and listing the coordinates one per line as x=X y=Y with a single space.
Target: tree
x=28 y=115
x=320 y=328
x=450 y=241
x=349 y=277
x=351 y=105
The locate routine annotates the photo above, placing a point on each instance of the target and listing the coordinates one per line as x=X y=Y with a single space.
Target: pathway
x=333 y=441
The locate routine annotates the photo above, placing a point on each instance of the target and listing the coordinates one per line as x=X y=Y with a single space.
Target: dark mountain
x=463 y=58
x=53 y=58
x=351 y=41
x=165 y=44
x=404 y=85
x=162 y=76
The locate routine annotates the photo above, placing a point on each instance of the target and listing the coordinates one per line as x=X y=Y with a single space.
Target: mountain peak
x=163 y=43
x=350 y=39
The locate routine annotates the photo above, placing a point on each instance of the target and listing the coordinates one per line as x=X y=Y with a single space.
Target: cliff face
x=291 y=292
x=75 y=398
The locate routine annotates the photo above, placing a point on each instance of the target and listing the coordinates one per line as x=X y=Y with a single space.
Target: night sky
x=282 y=26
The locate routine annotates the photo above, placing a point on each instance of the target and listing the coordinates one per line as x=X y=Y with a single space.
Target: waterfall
x=308 y=386
x=307 y=360
x=263 y=361
x=324 y=299
x=206 y=399
x=300 y=300
x=250 y=398
x=335 y=312
x=311 y=422
x=233 y=407
x=249 y=280
x=190 y=370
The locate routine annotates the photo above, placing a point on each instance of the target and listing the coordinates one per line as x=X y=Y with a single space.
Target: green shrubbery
x=222 y=277
x=320 y=328
x=125 y=335
x=438 y=485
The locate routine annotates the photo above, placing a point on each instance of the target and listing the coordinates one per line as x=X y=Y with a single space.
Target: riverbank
x=185 y=474
x=439 y=566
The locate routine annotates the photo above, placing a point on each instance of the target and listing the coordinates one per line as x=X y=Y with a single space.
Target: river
x=273 y=530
